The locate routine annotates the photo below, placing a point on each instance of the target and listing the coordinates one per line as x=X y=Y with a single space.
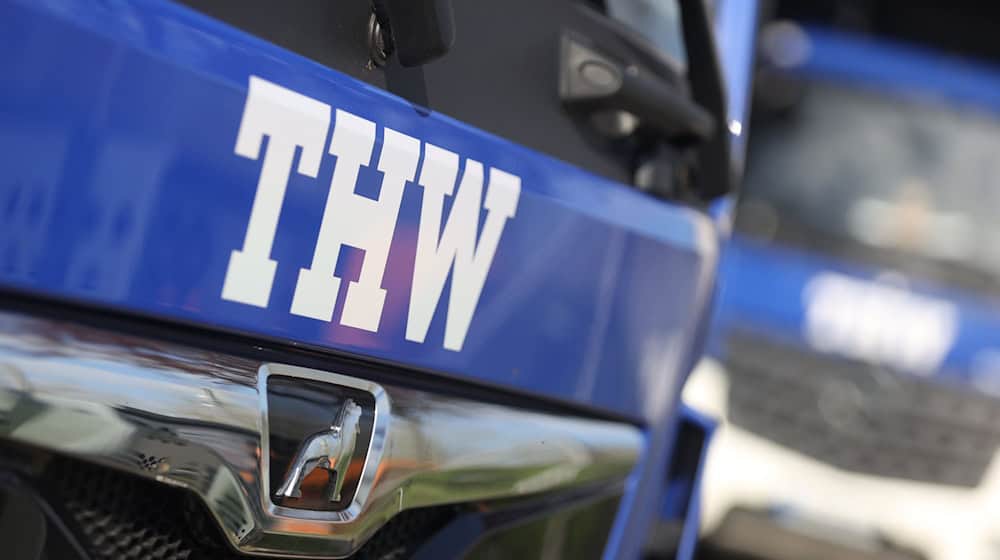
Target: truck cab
x=854 y=362
x=356 y=279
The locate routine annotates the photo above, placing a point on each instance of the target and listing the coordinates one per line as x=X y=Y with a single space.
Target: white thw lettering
x=456 y=249
x=288 y=119
x=357 y=221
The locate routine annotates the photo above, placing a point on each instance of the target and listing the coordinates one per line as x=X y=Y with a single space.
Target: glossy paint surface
x=764 y=291
x=121 y=187
x=736 y=38
x=900 y=69
x=683 y=497
x=736 y=23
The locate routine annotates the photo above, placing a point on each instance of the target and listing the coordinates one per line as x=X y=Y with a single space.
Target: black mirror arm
x=715 y=173
x=419 y=31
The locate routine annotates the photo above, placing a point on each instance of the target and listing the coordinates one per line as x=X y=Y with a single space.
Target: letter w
x=456 y=248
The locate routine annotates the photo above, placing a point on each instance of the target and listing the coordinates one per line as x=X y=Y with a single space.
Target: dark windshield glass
x=909 y=184
x=658 y=21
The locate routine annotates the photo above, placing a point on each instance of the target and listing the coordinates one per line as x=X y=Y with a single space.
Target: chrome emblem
x=323 y=436
x=330 y=450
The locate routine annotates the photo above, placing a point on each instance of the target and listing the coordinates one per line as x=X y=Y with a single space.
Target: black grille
x=399 y=538
x=118 y=516
x=860 y=417
x=123 y=517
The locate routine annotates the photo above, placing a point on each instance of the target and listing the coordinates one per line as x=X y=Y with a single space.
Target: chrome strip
x=198 y=420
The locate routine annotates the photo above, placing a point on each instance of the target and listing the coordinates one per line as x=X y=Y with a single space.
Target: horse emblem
x=330 y=450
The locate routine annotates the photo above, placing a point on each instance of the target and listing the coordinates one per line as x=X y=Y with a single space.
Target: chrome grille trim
x=195 y=419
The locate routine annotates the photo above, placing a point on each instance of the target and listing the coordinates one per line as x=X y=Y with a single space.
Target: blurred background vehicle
x=856 y=353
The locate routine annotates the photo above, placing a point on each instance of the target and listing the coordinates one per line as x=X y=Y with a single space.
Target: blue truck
x=359 y=279
x=855 y=357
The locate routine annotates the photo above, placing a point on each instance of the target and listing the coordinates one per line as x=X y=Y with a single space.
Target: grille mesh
x=118 y=516
x=400 y=537
x=861 y=418
x=129 y=518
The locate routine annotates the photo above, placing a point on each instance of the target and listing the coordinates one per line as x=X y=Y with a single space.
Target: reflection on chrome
x=330 y=450
x=198 y=420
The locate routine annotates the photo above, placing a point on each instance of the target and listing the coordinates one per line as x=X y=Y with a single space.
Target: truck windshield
x=908 y=184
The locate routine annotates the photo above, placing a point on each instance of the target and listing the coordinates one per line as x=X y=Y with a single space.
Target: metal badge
x=330 y=450
x=320 y=450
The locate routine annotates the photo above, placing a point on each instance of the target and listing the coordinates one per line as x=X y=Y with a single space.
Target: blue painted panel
x=764 y=287
x=682 y=501
x=736 y=36
x=900 y=69
x=120 y=187
x=118 y=121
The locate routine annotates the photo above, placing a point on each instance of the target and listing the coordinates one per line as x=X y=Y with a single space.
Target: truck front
x=331 y=279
